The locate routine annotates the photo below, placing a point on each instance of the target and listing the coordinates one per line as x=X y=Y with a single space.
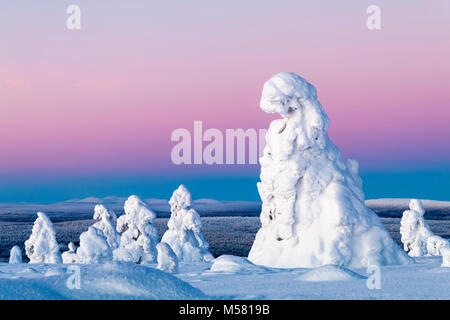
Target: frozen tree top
x=134 y=206
x=181 y=198
x=282 y=92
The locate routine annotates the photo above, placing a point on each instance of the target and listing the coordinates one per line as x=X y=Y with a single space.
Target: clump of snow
x=139 y=238
x=42 y=247
x=235 y=264
x=313 y=210
x=70 y=256
x=107 y=223
x=184 y=227
x=416 y=235
x=94 y=247
x=15 y=255
x=445 y=251
x=331 y=273
x=167 y=259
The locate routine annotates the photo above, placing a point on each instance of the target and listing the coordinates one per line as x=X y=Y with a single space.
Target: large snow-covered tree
x=107 y=221
x=416 y=235
x=94 y=247
x=139 y=236
x=42 y=247
x=184 y=227
x=313 y=210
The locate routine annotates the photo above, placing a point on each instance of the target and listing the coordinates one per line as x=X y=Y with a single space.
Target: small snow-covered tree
x=445 y=251
x=94 y=247
x=15 y=255
x=70 y=256
x=183 y=234
x=139 y=235
x=167 y=259
x=107 y=223
x=416 y=235
x=42 y=247
x=435 y=244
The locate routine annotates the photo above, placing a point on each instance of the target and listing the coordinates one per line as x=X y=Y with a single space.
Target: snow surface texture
x=42 y=247
x=139 y=238
x=70 y=256
x=113 y=280
x=107 y=223
x=330 y=273
x=417 y=238
x=184 y=225
x=313 y=210
x=15 y=255
x=94 y=247
x=167 y=259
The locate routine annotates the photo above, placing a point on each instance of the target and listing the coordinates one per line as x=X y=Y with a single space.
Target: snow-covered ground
x=234 y=278
x=424 y=280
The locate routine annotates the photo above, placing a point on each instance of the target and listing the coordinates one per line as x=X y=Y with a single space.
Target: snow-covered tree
x=313 y=210
x=445 y=251
x=183 y=234
x=94 y=247
x=70 y=256
x=15 y=255
x=167 y=259
x=416 y=235
x=139 y=238
x=107 y=223
x=42 y=247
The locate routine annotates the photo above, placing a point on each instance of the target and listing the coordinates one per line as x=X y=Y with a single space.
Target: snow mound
x=313 y=211
x=113 y=280
x=330 y=273
x=234 y=264
x=167 y=259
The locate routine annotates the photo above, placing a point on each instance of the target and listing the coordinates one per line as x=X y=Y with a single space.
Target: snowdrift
x=114 y=280
x=234 y=264
x=330 y=273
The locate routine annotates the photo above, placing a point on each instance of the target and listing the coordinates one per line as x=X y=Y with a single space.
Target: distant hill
x=77 y=209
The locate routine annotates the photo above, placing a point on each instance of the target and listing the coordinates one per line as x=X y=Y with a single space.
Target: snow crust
x=184 y=229
x=330 y=273
x=15 y=255
x=313 y=210
x=94 y=247
x=416 y=235
x=42 y=247
x=167 y=259
x=139 y=235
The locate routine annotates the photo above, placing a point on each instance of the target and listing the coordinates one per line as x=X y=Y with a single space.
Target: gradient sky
x=90 y=112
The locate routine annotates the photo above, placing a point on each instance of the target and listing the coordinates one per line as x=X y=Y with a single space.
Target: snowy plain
x=228 y=235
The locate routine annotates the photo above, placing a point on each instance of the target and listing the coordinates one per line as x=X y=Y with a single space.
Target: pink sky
x=109 y=95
